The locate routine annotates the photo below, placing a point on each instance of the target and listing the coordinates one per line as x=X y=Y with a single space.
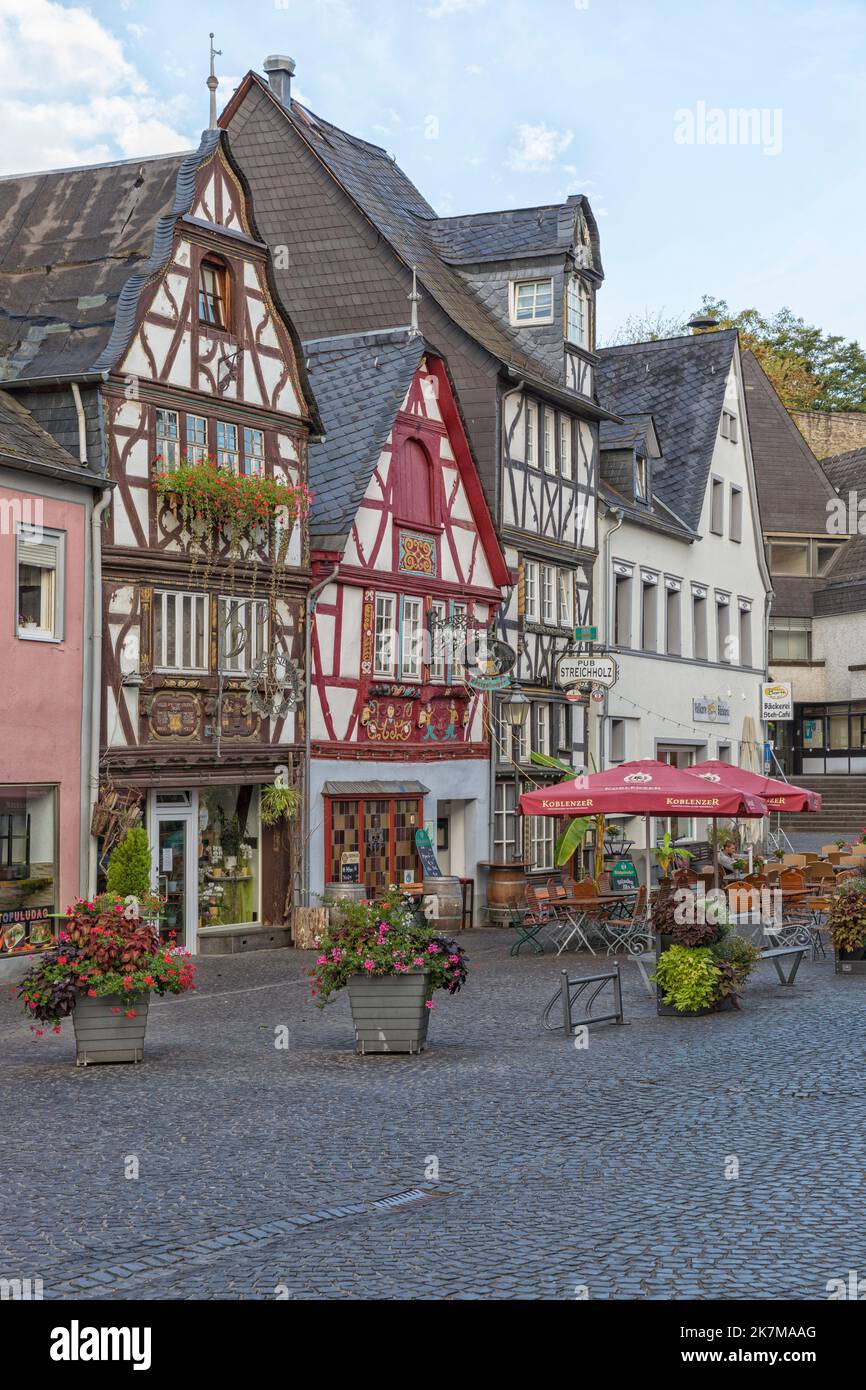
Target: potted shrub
x=701 y=961
x=671 y=856
x=847 y=924
x=391 y=962
x=108 y=962
x=279 y=802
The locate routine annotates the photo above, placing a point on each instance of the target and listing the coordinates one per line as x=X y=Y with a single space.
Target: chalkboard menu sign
x=623 y=876
x=350 y=866
x=427 y=855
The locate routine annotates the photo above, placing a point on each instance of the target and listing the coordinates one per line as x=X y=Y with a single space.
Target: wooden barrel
x=448 y=893
x=506 y=888
x=346 y=892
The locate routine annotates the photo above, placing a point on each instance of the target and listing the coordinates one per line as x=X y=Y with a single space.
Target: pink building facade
x=46 y=504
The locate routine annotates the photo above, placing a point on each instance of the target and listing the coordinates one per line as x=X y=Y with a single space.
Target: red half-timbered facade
x=411 y=567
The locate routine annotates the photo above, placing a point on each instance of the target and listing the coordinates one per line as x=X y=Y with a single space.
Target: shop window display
x=228 y=856
x=28 y=869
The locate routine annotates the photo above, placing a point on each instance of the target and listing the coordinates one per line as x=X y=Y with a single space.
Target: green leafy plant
x=106 y=949
x=688 y=978
x=847 y=916
x=842 y=844
x=129 y=867
x=668 y=855
x=779 y=854
x=572 y=838
x=383 y=938
x=278 y=802
x=230 y=835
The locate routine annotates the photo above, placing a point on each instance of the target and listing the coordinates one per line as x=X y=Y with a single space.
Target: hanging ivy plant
x=210 y=500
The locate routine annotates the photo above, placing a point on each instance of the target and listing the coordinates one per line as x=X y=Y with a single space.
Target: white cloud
x=443 y=9
x=474 y=69
x=537 y=148
x=69 y=93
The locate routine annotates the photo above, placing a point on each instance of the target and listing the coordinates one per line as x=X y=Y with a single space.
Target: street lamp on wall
x=515 y=712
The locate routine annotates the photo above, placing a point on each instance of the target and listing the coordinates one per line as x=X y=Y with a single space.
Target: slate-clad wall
x=340 y=276
x=56 y=413
x=490 y=283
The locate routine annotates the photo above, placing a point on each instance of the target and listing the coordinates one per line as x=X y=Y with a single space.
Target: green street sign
x=586 y=634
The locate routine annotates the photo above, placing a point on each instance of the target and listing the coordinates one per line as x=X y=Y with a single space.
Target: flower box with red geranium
x=238 y=512
x=108 y=962
x=391 y=961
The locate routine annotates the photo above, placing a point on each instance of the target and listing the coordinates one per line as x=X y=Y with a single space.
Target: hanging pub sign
x=777 y=700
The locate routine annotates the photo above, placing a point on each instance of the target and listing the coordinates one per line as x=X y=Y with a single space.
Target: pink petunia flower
x=369 y=965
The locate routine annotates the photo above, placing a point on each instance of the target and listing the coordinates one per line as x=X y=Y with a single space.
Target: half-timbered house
x=409 y=575
x=509 y=298
x=172 y=321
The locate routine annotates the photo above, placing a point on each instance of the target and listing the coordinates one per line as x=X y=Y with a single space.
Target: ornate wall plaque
x=417 y=553
x=237 y=718
x=175 y=716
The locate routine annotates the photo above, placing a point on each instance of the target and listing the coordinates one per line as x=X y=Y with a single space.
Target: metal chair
x=631 y=934
x=527 y=928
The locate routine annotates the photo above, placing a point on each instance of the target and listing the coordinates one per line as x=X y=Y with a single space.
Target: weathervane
x=213 y=83
x=414 y=299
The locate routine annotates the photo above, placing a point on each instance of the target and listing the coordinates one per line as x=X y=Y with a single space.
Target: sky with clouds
x=512 y=103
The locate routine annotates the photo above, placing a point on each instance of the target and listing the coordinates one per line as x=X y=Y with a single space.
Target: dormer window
x=531 y=302
x=577 y=313
x=213 y=292
x=640 y=478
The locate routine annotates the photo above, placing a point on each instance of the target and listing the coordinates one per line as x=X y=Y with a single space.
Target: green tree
x=129 y=865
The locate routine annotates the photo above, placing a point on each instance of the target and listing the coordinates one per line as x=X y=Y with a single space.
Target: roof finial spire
x=414 y=299
x=213 y=83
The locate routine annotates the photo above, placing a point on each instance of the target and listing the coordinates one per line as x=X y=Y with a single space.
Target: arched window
x=417 y=485
x=213 y=292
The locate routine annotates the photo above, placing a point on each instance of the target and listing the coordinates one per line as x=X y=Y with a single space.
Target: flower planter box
x=851 y=962
x=103 y=1036
x=390 y=1012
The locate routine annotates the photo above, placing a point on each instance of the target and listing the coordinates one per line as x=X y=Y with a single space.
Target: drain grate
x=400 y=1199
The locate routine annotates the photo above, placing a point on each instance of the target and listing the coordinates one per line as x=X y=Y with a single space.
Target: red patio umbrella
x=642 y=788
x=779 y=796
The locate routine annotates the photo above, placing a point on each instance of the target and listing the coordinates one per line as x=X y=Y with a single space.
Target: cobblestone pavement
x=264 y=1172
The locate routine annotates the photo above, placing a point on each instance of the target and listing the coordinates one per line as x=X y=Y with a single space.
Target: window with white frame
x=640 y=478
x=735 y=515
x=565 y=464
x=438 y=618
x=531 y=434
x=459 y=614
x=411 y=638
x=384 y=642
x=228 y=455
x=243 y=630
x=541 y=737
x=530 y=591
x=167 y=440
x=541 y=841
x=531 y=301
x=548 y=594
x=548 y=444
x=254 y=452
x=562 y=716
x=717 y=507
x=196 y=439
x=40 y=583
x=505 y=823
x=577 y=312
x=566 y=598
x=729 y=426
x=180 y=630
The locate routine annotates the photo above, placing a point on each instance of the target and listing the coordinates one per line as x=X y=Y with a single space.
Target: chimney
x=280 y=72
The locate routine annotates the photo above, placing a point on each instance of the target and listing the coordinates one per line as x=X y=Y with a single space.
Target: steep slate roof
x=846 y=471
x=792 y=487
x=360 y=381
x=69 y=241
x=398 y=211
x=681 y=383
x=83 y=244
x=472 y=238
x=23 y=439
